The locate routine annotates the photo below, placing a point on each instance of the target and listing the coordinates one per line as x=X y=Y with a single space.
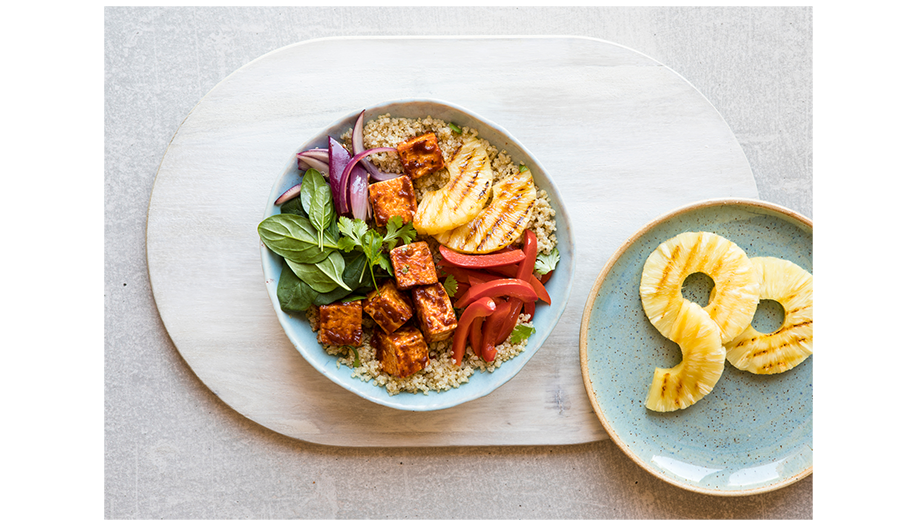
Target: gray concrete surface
x=174 y=450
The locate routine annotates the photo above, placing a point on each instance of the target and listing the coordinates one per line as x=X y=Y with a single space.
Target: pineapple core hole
x=768 y=317
x=697 y=287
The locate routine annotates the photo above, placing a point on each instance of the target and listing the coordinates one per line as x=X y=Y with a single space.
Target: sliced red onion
x=359 y=194
x=316 y=153
x=362 y=155
x=289 y=194
x=339 y=158
x=306 y=162
x=357 y=140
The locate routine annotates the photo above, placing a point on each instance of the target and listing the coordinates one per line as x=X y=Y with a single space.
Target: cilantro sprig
x=355 y=233
x=545 y=263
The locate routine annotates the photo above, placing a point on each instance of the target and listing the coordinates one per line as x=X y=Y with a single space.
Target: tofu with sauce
x=413 y=265
x=388 y=307
x=435 y=314
x=341 y=323
x=401 y=353
x=394 y=197
x=421 y=155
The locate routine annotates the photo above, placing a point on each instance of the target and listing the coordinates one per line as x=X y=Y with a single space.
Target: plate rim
x=391 y=401
x=583 y=339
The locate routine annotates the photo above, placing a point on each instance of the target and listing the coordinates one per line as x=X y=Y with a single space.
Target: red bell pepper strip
x=529 y=308
x=539 y=289
x=544 y=279
x=480 y=308
x=524 y=272
x=514 y=288
x=475 y=335
x=509 y=321
x=530 y=250
x=481 y=260
x=491 y=328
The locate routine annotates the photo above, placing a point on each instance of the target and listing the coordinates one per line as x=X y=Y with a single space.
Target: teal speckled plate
x=752 y=433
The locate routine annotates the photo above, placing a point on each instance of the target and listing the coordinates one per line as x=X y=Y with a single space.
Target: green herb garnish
x=545 y=263
x=521 y=333
x=451 y=285
x=455 y=128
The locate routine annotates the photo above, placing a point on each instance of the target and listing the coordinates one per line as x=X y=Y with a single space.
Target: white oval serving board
x=625 y=138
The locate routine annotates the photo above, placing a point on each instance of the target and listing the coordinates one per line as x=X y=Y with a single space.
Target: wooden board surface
x=625 y=139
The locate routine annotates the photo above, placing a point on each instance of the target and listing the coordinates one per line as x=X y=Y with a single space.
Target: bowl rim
x=587 y=311
x=399 y=401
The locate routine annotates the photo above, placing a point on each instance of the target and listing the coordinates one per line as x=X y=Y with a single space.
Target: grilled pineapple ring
x=466 y=193
x=791 y=286
x=502 y=222
x=733 y=304
x=703 y=358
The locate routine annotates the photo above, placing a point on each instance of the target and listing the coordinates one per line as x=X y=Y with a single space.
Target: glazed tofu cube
x=394 y=197
x=401 y=353
x=421 y=155
x=413 y=265
x=341 y=323
x=435 y=314
x=388 y=307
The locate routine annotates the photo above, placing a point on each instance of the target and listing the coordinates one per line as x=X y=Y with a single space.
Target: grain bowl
x=440 y=384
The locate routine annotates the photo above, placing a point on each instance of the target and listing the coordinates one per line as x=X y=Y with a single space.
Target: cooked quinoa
x=440 y=374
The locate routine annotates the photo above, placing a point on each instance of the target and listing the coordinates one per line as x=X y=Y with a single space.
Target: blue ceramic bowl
x=751 y=433
x=480 y=384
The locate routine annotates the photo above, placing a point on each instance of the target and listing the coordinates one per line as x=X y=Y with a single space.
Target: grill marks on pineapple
x=788 y=346
x=501 y=222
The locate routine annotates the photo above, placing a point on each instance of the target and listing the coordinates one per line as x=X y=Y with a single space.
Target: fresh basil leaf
x=293 y=294
x=333 y=267
x=293 y=237
x=313 y=276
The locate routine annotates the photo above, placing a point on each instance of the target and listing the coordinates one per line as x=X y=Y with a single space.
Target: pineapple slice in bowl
x=466 y=193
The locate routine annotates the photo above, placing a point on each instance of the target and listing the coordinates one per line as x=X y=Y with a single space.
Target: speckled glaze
x=752 y=433
x=480 y=384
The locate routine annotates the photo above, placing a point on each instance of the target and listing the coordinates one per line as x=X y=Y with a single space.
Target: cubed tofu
x=413 y=265
x=421 y=155
x=341 y=323
x=388 y=306
x=401 y=353
x=394 y=197
x=435 y=314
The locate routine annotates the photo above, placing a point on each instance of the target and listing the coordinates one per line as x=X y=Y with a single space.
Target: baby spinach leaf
x=294 y=294
x=313 y=276
x=333 y=268
x=293 y=206
x=293 y=237
x=321 y=208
